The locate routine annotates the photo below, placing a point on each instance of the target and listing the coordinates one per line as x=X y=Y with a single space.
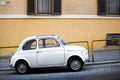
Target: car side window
x=30 y=45
x=51 y=43
x=48 y=43
x=40 y=43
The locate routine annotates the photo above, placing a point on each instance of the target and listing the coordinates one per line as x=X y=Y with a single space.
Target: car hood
x=74 y=48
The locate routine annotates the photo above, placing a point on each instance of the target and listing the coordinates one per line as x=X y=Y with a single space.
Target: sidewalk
x=4 y=64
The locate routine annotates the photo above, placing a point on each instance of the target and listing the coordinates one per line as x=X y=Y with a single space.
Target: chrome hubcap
x=75 y=65
x=22 y=68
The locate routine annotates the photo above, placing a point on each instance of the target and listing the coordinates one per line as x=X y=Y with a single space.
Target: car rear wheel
x=22 y=67
x=75 y=64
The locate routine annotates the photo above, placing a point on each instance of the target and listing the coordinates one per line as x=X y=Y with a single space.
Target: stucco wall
x=68 y=7
x=15 y=7
x=79 y=6
x=13 y=31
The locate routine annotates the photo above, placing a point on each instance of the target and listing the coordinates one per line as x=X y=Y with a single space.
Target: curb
x=99 y=63
x=6 y=69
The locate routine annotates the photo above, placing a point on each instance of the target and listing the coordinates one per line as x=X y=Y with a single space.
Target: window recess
x=109 y=7
x=37 y=7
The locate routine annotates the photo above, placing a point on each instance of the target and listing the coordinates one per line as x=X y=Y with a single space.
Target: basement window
x=113 y=42
x=37 y=7
x=109 y=7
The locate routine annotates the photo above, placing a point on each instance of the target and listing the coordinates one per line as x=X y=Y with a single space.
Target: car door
x=50 y=53
x=29 y=52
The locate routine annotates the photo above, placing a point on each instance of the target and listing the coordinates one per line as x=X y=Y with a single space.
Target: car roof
x=42 y=36
x=52 y=35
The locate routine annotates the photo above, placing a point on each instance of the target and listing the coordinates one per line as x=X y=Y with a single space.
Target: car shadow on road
x=48 y=71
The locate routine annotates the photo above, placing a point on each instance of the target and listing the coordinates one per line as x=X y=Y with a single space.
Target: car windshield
x=62 y=41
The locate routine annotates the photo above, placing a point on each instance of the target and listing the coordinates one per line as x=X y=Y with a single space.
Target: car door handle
x=39 y=52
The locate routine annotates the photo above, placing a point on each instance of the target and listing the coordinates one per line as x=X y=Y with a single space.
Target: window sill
x=61 y=16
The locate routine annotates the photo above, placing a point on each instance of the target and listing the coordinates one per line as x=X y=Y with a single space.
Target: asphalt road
x=91 y=72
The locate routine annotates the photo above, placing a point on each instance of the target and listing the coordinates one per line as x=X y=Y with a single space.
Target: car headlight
x=85 y=52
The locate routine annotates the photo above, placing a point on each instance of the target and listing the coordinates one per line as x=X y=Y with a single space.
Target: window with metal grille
x=108 y=7
x=115 y=42
x=35 y=7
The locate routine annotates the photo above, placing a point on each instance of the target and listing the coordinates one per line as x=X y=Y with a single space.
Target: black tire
x=22 y=67
x=75 y=64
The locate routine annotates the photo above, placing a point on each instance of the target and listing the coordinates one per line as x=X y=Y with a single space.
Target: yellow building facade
x=78 y=22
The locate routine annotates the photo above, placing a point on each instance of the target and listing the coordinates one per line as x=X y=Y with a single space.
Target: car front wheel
x=75 y=64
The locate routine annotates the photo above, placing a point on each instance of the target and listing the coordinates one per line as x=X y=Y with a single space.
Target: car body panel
x=51 y=56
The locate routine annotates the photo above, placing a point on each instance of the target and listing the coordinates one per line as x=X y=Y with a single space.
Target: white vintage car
x=47 y=51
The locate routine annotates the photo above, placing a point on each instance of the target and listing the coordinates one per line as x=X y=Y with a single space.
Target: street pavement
x=91 y=72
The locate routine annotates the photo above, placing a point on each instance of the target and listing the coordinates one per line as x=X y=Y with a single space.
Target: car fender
x=20 y=58
x=78 y=54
